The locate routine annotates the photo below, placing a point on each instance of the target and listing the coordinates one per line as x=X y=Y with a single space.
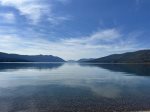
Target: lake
x=74 y=87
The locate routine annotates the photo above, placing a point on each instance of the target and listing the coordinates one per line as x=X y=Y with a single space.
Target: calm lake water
x=72 y=87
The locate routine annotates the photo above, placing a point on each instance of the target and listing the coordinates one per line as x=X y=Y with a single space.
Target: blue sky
x=74 y=29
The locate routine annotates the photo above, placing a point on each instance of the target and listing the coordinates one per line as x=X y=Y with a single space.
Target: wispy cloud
x=7 y=17
x=105 y=42
x=29 y=8
x=34 y=10
x=54 y=20
x=137 y=2
x=101 y=36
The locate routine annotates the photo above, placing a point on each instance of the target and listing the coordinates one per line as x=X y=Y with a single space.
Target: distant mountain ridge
x=85 y=59
x=142 y=56
x=5 y=57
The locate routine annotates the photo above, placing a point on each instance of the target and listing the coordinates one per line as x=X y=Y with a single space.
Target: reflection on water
x=15 y=66
x=136 y=69
x=58 y=87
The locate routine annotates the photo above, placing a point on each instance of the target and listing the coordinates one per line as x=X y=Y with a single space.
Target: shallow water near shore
x=74 y=87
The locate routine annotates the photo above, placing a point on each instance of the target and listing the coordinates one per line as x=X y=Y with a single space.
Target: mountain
x=71 y=61
x=4 y=57
x=142 y=56
x=84 y=59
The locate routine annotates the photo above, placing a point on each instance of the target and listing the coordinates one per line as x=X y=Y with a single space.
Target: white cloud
x=70 y=48
x=33 y=10
x=107 y=35
x=7 y=17
x=54 y=20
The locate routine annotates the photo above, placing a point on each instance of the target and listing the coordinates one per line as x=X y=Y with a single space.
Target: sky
x=74 y=29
